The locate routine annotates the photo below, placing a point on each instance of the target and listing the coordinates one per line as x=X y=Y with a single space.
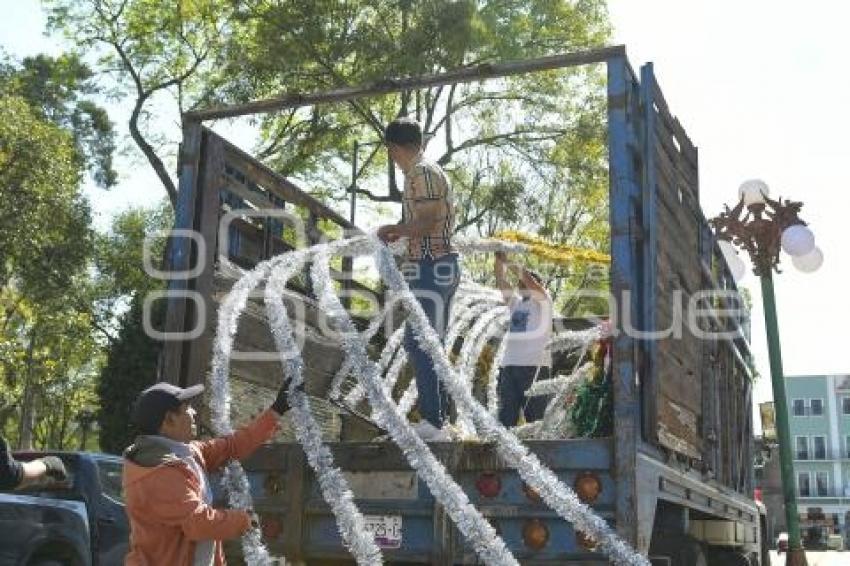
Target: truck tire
x=680 y=550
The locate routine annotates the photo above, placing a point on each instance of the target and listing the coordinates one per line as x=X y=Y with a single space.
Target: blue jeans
x=433 y=283
x=514 y=381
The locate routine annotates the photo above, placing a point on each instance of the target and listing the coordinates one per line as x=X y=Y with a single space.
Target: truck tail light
x=270 y=526
x=588 y=487
x=488 y=484
x=535 y=535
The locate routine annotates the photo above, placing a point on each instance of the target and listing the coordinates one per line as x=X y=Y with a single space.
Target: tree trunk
x=27 y=424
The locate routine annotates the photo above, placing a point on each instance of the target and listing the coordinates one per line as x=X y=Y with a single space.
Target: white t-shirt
x=530 y=331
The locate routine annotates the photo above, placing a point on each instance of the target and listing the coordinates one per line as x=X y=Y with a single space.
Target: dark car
x=80 y=521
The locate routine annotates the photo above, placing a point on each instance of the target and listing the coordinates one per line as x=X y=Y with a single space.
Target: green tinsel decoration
x=592 y=412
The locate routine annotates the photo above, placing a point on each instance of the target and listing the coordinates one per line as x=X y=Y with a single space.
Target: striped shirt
x=426 y=182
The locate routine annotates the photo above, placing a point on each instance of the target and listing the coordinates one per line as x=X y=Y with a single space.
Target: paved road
x=831 y=558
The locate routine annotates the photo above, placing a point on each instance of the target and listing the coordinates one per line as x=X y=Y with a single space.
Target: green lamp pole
x=762 y=227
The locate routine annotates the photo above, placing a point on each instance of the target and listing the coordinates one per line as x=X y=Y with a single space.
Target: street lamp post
x=762 y=226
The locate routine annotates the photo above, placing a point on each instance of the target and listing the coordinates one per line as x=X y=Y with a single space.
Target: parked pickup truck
x=76 y=522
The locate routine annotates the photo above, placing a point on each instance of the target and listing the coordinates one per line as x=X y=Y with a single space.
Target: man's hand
x=54 y=467
x=389 y=233
x=281 y=402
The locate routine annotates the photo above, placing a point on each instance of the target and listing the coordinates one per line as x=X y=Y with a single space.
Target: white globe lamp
x=810 y=262
x=753 y=191
x=798 y=240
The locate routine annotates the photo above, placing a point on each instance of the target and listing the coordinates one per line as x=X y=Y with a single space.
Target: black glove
x=55 y=468
x=281 y=402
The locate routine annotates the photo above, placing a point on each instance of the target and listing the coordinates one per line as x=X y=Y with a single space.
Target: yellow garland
x=555 y=253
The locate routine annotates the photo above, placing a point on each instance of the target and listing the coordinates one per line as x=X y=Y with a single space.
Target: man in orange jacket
x=166 y=488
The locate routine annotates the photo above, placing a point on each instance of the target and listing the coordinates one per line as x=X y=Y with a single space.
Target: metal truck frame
x=676 y=477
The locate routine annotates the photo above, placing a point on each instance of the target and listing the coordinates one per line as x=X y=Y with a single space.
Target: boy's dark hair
x=404 y=131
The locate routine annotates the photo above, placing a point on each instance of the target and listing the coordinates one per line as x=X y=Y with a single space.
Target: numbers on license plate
x=386 y=529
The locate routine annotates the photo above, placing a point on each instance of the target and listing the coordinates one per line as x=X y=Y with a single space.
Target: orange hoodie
x=165 y=502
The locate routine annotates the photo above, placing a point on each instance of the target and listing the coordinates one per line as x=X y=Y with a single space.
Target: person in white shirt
x=527 y=357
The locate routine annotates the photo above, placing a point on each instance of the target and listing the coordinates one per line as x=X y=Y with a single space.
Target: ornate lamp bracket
x=757 y=228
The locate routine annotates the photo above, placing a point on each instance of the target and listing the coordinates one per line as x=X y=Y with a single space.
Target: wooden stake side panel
x=678 y=358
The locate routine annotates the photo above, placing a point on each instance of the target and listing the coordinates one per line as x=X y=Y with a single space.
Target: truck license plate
x=386 y=529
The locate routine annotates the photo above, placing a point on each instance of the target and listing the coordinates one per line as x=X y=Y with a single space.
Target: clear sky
x=761 y=86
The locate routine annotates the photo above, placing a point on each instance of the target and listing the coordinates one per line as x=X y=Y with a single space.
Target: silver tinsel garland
x=333 y=484
x=475 y=528
x=474 y=342
x=234 y=481
x=472 y=525
x=554 y=492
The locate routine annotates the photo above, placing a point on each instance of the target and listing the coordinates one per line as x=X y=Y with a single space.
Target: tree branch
x=474 y=142
x=142 y=95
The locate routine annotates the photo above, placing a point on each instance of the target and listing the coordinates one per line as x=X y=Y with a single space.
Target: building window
x=822 y=483
x=800 y=408
x=803 y=486
x=802 y=452
x=816 y=407
x=819 y=447
x=845 y=405
x=847 y=451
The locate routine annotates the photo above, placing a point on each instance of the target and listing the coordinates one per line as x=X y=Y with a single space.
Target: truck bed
x=302 y=527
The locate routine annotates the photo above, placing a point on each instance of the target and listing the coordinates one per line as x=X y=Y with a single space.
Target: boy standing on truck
x=527 y=357
x=431 y=264
x=167 y=491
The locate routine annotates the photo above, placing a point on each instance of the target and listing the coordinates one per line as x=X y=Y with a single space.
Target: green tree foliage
x=59 y=90
x=50 y=134
x=130 y=367
x=153 y=50
x=119 y=262
x=524 y=152
x=132 y=356
x=44 y=220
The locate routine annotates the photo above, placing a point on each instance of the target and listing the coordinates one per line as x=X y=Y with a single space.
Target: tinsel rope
x=473 y=344
x=554 y=253
x=332 y=483
x=554 y=492
x=460 y=317
x=475 y=528
x=234 y=481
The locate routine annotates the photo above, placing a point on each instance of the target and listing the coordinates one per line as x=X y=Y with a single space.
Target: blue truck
x=79 y=521
x=675 y=479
